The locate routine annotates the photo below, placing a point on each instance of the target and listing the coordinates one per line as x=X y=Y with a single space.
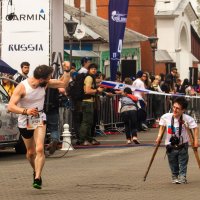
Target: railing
x=108 y=116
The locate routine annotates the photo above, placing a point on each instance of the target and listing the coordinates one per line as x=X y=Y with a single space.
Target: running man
x=28 y=101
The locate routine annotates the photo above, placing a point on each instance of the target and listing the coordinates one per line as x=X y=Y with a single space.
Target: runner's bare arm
x=63 y=81
x=54 y=83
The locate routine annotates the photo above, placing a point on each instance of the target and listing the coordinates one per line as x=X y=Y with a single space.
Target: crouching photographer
x=177 y=138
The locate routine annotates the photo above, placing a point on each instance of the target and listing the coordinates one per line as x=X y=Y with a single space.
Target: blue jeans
x=52 y=126
x=178 y=160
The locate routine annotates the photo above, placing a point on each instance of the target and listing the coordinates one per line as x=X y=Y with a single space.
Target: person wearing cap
x=85 y=62
x=88 y=103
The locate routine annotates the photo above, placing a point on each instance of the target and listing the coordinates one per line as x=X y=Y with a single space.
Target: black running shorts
x=27 y=134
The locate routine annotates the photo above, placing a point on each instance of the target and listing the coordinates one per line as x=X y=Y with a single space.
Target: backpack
x=76 y=87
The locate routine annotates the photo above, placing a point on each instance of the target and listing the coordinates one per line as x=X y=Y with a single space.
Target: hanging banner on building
x=117 y=22
x=25 y=32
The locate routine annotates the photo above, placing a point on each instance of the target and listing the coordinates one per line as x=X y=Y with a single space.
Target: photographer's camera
x=174 y=140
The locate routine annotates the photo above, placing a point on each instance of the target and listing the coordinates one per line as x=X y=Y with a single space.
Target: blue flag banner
x=117 y=12
x=5 y=68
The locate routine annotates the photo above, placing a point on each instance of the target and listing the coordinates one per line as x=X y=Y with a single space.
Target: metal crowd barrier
x=108 y=119
x=194 y=107
x=108 y=116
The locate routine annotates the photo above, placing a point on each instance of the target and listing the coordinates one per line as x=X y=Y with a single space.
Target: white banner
x=26 y=33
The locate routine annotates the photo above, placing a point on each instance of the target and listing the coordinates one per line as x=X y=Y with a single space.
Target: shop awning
x=82 y=53
x=162 y=56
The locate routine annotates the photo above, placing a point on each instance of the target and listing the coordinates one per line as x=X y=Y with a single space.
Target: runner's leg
x=39 y=136
x=30 y=150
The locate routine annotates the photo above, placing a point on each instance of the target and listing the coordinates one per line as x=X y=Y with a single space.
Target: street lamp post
x=153 y=43
x=71 y=28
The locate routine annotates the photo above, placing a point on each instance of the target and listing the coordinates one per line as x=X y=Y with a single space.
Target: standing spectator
x=197 y=88
x=85 y=62
x=118 y=77
x=25 y=67
x=129 y=115
x=177 y=139
x=157 y=100
x=146 y=79
x=51 y=108
x=162 y=76
x=185 y=87
x=166 y=86
x=73 y=68
x=178 y=85
x=28 y=101
x=172 y=76
x=128 y=81
x=77 y=114
x=88 y=101
x=139 y=84
x=8 y=84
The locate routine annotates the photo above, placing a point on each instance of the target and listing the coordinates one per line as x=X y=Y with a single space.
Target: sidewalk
x=116 y=139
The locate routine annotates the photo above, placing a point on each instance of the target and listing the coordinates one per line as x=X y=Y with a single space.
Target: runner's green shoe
x=37 y=183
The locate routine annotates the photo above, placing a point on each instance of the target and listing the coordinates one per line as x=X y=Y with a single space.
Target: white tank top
x=34 y=98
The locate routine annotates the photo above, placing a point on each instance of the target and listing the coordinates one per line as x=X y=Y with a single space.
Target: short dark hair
x=42 y=71
x=73 y=65
x=84 y=60
x=181 y=101
x=92 y=65
x=139 y=74
x=173 y=69
x=24 y=64
x=128 y=90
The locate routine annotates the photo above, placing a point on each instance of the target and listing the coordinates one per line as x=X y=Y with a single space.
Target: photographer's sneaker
x=182 y=180
x=175 y=180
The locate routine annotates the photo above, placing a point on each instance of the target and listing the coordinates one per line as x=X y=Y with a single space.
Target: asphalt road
x=113 y=171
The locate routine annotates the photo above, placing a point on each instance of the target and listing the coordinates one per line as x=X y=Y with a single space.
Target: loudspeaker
x=193 y=75
x=128 y=68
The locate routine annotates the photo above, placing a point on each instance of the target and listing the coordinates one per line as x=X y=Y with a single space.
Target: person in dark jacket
x=25 y=67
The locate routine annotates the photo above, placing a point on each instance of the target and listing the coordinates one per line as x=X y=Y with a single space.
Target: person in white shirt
x=177 y=138
x=85 y=62
x=139 y=84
